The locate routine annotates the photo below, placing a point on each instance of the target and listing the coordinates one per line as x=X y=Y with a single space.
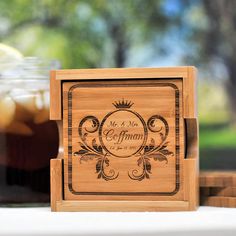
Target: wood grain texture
x=218 y=188
x=192 y=138
x=223 y=192
x=55 y=97
x=189 y=93
x=218 y=191
x=218 y=179
x=219 y=201
x=83 y=177
x=191 y=176
x=123 y=73
x=124 y=206
x=56 y=182
x=124 y=139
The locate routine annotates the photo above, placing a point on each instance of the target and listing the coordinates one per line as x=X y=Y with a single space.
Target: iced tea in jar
x=28 y=140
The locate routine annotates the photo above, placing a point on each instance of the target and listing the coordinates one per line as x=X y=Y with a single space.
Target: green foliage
x=81 y=33
x=217 y=137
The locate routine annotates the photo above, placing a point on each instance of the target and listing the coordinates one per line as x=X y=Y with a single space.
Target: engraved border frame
x=177 y=136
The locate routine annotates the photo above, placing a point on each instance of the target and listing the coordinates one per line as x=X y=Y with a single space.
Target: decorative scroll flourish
x=155 y=131
x=93 y=150
x=157 y=152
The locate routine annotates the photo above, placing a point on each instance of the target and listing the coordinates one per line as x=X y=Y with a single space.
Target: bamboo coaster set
x=128 y=139
x=218 y=188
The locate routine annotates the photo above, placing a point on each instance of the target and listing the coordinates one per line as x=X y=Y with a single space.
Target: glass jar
x=28 y=140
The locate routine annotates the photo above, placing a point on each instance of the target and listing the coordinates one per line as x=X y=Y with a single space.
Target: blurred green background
x=141 y=33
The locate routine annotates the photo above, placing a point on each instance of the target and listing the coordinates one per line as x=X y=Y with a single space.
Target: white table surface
x=41 y=221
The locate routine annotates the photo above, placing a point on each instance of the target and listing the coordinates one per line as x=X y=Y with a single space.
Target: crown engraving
x=123 y=104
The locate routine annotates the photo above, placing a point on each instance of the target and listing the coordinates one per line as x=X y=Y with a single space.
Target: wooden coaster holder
x=218 y=188
x=112 y=95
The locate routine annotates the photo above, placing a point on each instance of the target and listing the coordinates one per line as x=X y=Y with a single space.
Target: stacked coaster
x=218 y=188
